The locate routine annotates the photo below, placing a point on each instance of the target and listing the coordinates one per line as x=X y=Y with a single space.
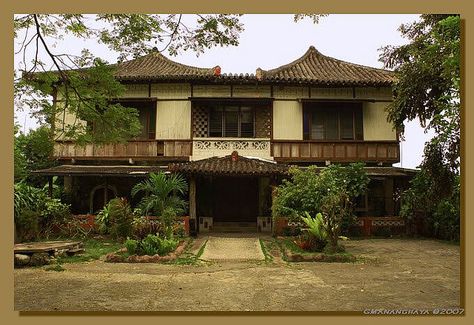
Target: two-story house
x=234 y=135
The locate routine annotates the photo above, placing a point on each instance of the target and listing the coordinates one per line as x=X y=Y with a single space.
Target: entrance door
x=235 y=199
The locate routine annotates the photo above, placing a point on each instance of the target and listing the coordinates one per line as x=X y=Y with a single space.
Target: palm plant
x=315 y=226
x=162 y=196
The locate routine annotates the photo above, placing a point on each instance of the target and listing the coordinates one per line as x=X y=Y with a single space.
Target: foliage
x=315 y=226
x=35 y=214
x=84 y=82
x=93 y=250
x=20 y=163
x=32 y=151
x=329 y=191
x=314 y=237
x=151 y=245
x=428 y=88
x=131 y=246
x=162 y=197
x=120 y=218
x=102 y=220
x=143 y=226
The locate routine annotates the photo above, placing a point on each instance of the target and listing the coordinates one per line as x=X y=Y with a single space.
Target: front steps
x=234 y=227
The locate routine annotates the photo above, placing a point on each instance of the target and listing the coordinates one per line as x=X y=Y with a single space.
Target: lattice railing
x=221 y=147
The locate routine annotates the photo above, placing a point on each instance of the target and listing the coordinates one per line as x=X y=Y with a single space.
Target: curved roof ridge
x=160 y=55
x=313 y=66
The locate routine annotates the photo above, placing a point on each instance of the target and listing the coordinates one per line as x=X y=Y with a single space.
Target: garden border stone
x=115 y=257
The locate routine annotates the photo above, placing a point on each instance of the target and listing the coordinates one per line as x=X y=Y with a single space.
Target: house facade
x=234 y=136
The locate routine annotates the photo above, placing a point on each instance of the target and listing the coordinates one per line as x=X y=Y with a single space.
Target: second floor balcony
x=286 y=151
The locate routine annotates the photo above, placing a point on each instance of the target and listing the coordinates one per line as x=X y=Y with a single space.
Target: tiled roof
x=227 y=166
x=383 y=171
x=83 y=170
x=155 y=66
x=314 y=67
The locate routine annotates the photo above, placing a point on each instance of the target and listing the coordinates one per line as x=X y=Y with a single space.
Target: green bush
x=131 y=246
x=120 y=218
x=36 y=215
x=141 y=227
x=329 y=190
x=102 y=221
x=151 y=245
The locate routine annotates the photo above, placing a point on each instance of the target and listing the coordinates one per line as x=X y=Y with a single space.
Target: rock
x=114 y=258
x=172 y=256
x=22 y=260
x=38 y=259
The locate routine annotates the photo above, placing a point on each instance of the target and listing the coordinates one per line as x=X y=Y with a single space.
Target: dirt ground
x=392 y=273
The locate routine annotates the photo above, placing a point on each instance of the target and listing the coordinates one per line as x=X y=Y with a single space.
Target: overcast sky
x=273 y=40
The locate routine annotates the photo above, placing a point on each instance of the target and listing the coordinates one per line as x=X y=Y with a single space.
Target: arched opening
x=98 y=197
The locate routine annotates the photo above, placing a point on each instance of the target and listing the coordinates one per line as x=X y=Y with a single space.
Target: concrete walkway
x=233 y=247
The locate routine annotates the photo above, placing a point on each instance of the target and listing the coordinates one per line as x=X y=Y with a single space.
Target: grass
x=94 y=249
x=189 y=259
x=268 y=256
x=288 y=245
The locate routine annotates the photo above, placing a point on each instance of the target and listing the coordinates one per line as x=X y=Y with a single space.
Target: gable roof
x=314 y=67
x=239 y=166
x=155 y=66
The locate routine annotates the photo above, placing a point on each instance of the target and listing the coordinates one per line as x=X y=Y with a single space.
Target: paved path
x=233 y=247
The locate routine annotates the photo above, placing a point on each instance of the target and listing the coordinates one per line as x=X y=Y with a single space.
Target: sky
x=269 y=41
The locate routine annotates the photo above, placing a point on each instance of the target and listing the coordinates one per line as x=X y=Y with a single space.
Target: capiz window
x=231 y=121
x=333 y=121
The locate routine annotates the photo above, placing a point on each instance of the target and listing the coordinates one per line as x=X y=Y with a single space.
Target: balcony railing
x=139 y=149
x=342 y=151
x=210 y=147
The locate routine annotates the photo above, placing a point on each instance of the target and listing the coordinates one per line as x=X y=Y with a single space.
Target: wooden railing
x=143 y=149
x=341 y=151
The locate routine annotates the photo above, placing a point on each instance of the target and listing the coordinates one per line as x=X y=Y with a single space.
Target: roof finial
x=234 y=156
x=259 y=74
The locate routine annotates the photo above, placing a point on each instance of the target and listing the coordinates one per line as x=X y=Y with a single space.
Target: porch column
x=106 y=190
x=388 y=189
x=50 y=186
x=192 y=198
x=263 y=188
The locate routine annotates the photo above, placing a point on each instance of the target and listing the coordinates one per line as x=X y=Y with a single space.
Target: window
x=146 y=116
x=333 y=121
x=231 y=121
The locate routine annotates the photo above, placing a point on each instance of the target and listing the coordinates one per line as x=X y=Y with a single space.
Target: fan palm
x=162 y=194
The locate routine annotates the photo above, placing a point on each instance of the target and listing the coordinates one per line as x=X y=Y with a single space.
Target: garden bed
x=122 y=256
x=292 y=253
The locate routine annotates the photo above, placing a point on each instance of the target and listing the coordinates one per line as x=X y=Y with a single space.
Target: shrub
x=120 y=218
x=315 y=238
x=162 y=197
x=179 y=231
x=151 y=245
x=35 y=214
x=131 y=246
x=328 y=191
x=102 y=220
x=141 y=227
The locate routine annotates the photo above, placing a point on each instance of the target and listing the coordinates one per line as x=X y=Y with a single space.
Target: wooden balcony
x=340 y=151
x=138 y=150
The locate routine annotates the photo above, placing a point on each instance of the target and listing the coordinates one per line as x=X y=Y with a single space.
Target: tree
x=428 y=88
x=329 y=192
x=33 y=151
x=85 y=83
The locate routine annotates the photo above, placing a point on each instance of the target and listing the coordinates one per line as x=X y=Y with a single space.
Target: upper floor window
x=146 y=115
x=332 y=121
x=231 y=121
